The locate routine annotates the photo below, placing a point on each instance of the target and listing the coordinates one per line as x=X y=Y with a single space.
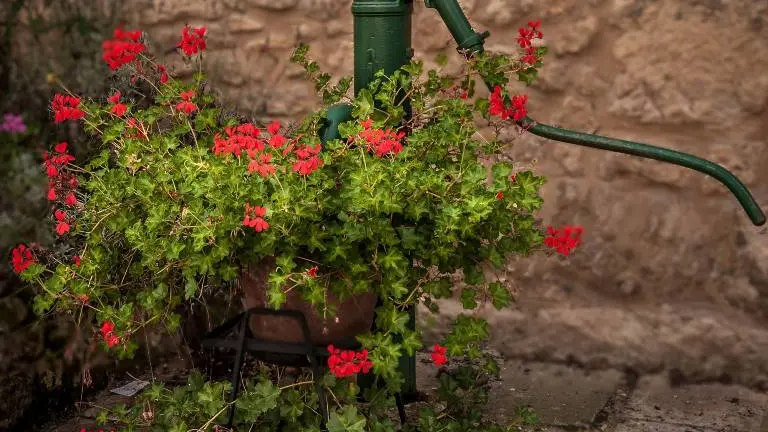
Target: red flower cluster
x=245 y=137
x=254 y=218
x=192 y=40
x=118 y=109
x=382 y=142
x=262 y=165
x=108 y=333
x=347 y=363
x=312 y=272
x=122 y=48
x=62 y=225
x=525 y=40
x=61 y=184
x=497 y=107
x=308 y=160
x=565 y=239
x=21 y=258
x=500 y=195
x=163 y=74
x=66 y=107
x=186 y=105
x=276 y=140
x=438 y=355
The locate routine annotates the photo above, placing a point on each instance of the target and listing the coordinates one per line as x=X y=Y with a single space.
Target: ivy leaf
x=440 y=288
x=500 y=297
x=348 y=421
x=190 y=288
x=389 y=318
x=468 y=295
x=394 y=262
x=277 y=297
x=262 y=398
x=528 y=76
x=411 y=341
x=363 y=105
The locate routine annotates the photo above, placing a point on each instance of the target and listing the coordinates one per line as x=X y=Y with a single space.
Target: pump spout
x=471 y=42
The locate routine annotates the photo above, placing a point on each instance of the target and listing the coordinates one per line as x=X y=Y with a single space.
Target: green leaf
x=32 y=272
x=190 y=288
x=277 y=297
x=388 y=317
x=500 y=297
x=42 y=304
x=348 y=421
x=440 y=288
x=409 y=238
x=441 y=59
x=468 y=296
x=363 y=105
x=99 y=161
x=262 y=398
x=473 y=275
x=528 y=76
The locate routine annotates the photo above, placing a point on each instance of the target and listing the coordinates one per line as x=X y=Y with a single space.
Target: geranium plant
x=183 y=196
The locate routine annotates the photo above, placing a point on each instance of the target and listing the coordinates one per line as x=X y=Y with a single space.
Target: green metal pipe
x=658 y=153
x=458 y=25
x=382 y=37
x=462 y=31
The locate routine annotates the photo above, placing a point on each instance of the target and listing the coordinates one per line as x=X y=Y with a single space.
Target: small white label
x=131 y=388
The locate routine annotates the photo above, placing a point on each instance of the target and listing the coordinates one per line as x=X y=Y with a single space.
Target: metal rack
x=235 y=334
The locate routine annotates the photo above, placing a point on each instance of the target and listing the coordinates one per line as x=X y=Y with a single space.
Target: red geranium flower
x=192 y=40
x=497 y=108
x=308 y=161
x=62 y=228
x=273 y=127
x=312 y=272
x=21 y=258
x=115 y=98
x=122 y=48
x=254 y=218
x=163 y=74
x=107 y=332
x=186 y=105
x=65 y=107
x=70 y=199
x=438 y=355
x=565 y=239
x=347 y=363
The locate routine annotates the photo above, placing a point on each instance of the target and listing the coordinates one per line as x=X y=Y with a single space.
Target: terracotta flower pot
x=354 y=316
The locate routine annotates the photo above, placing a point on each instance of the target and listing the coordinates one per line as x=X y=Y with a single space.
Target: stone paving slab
x=698 y=407
x=647 y=426
x=560 y=395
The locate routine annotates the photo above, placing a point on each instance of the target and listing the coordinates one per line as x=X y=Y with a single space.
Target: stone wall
x=672 y=274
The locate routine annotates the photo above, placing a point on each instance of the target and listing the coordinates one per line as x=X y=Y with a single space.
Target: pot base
x=354 y=316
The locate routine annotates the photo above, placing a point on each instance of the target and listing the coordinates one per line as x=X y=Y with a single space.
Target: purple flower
x=13 y=124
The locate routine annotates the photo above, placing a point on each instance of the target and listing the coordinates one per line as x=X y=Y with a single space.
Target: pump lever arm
x=472 y=42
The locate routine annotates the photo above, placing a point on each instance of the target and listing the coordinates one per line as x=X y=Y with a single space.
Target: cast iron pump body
x=382 y=41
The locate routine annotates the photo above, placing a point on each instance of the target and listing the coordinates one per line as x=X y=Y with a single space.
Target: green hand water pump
x=382 y=32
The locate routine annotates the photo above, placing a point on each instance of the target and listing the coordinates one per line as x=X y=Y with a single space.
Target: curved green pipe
x=652 y=152
x=470 y=41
